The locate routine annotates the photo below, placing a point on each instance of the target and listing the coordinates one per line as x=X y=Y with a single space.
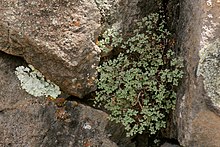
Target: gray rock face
x=30 y=121
x=56 y=37
x=198 y=107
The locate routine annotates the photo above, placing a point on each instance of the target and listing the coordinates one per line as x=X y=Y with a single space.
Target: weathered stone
x=122 y=14
x=210 y=52
x=169 y=145
x=29 y=121
x=56 y=37
x=198 y=30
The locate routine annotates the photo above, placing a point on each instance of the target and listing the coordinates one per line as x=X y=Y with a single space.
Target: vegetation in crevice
x=137 y=85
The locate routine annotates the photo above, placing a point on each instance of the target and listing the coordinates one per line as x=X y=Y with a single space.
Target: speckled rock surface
x=56 y=37
x=37 y=122
x=209 y=54
x=123 y=13
x=197 y=107
x=59 y=37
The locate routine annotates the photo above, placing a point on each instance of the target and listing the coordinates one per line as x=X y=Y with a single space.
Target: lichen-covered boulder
x=198 y=115
x=56 y=37
x=209 y=68
x=29 y=121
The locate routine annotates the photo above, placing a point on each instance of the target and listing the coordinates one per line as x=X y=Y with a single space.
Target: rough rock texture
x=122 y=14
x=56 y=37
x=169 y=145
x=197 y=108
x=30 y=121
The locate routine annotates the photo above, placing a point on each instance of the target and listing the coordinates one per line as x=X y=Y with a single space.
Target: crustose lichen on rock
x=34 y=83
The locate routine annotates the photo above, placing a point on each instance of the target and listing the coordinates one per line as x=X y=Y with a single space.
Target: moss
x=209 y=68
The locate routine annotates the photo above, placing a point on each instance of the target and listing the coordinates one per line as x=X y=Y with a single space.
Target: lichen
x=34 y=83
x=209 y=68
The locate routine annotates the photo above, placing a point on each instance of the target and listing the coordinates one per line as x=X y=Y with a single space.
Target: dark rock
x=169 y=145
x=56 y=37
x=29 y=121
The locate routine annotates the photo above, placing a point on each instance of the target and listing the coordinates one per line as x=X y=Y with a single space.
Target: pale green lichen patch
x=34 y=83
x=209 y=68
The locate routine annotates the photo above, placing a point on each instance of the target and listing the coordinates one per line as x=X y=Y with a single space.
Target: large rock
x=56 y=37
x=30 y=121
x=198 y=106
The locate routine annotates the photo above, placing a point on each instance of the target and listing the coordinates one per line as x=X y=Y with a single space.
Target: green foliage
x=138 y=86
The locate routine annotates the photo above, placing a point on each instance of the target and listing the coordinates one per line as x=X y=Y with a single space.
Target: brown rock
x=197 y=116
x=56 y=37
x=30 y=121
